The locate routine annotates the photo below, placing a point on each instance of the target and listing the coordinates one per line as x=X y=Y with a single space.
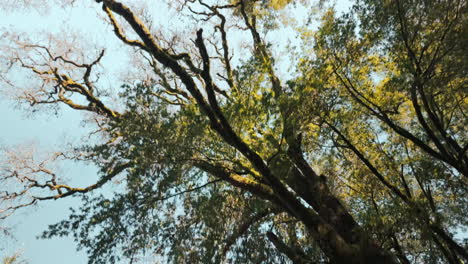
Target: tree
x=358 y=155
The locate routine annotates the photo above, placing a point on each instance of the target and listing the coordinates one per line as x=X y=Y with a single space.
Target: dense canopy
x=256 y=131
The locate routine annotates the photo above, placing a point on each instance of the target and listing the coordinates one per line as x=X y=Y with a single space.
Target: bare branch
x=26 y=180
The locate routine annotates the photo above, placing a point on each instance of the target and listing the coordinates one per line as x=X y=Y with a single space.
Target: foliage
x=358 y=155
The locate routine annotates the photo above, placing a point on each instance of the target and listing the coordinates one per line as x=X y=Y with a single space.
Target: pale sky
x=48 y=131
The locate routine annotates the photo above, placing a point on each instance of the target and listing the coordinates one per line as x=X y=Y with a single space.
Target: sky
x=50 y=131
x=29 y=223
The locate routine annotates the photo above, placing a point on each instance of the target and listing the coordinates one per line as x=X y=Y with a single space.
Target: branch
x=243 y=228
x=119 y=32
x=222 y=30
x=210 y=87
x=398 y=129
x=160 y=55
x=296 y=255
x=369 y=165
x=23 y=173
x=70 y=190
x=245 y=183
x=63 y=82
x=186 y=191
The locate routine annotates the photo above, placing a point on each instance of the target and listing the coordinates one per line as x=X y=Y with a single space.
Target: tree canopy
x=346 y=145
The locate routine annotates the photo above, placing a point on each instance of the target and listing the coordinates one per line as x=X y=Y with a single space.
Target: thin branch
x=243 y=228
x=186 y=191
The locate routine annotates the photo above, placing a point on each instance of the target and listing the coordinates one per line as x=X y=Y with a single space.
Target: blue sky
x=29 y=223
x=48 y=131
